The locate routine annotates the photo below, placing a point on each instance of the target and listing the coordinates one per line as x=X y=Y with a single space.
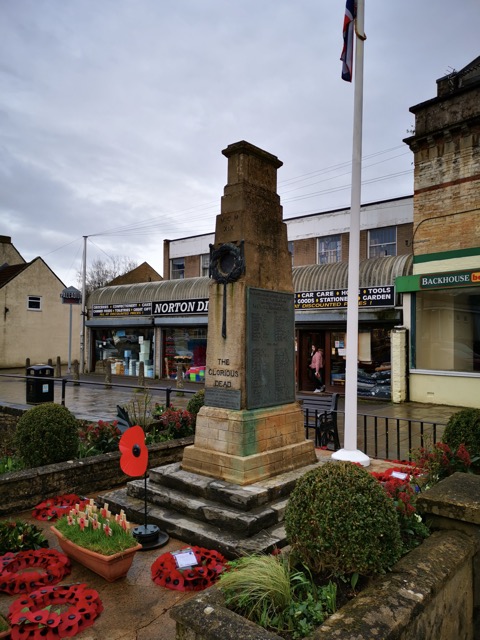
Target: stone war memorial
x=231 y=488
x=251 y=426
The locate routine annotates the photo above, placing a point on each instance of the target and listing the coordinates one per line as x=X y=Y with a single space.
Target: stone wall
x=22 y=490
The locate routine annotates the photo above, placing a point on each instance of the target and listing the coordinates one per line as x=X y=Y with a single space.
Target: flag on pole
x=348 y=31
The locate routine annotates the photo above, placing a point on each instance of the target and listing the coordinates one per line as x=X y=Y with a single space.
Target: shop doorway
x=306 y=341
x=374 y=368
x=333 y=345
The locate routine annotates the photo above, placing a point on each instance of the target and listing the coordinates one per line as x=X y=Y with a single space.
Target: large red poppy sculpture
x=134 y=458
x=134 y=462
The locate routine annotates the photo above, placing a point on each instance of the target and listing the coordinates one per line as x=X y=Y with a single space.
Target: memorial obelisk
x=251 y=426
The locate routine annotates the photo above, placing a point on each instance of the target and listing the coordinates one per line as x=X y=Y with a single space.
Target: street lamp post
x=70 y=296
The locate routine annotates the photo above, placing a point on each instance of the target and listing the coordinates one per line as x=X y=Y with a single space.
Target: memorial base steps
x=208 y=512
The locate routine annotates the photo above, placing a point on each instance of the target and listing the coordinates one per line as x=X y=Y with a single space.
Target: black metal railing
x=168 y=391
x=388 y=438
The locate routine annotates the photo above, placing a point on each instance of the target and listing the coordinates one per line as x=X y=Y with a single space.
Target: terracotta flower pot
x=109 y=567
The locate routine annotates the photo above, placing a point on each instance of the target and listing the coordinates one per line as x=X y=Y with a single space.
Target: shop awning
x=149 y=291
x=374 y=272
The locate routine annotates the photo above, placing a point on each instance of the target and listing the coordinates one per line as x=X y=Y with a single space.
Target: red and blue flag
x=348 y=31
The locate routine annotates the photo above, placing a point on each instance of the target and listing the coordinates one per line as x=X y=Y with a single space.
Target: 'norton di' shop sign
x=337 y=298
x=164 y=308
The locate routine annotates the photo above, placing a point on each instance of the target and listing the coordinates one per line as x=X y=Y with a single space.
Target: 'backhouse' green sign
x=455 y=279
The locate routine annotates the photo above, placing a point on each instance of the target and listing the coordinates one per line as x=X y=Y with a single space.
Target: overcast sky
x=114 y=113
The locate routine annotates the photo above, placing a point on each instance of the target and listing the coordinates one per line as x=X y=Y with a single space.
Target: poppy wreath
x=166 y=573
x=15 y=574
x=54 y=612
x=55 y=508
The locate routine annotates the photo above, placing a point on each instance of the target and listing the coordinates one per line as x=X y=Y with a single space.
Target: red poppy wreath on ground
x=54 y=612
x=55 y=508
x=17 y=573
x=166 y=573
x=134 y=458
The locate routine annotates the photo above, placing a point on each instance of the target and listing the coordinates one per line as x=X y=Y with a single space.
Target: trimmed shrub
x=196 y=402
x=340 y=521
x=463 y=427
x=47 y=434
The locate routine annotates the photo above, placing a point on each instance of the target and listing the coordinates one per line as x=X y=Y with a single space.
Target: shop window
x=122 y=350
x=34 y=303
x=188 y=345
x=447 y=330
x=177 y=268
x=382 y=242
x=329 y=249
x=205 y=264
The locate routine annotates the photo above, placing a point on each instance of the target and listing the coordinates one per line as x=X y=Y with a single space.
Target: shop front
x=445 y=336
x=160 y=324
x=321 y=322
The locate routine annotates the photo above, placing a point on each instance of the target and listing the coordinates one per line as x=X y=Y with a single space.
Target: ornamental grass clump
x=47 y=434
x=279 y=597
x=97 y=529
x=340 y=522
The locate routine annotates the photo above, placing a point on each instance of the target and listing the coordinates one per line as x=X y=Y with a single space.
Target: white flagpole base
x=351 y=455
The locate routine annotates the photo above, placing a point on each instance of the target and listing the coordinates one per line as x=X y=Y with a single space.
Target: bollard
x=58 y=368
x=27 y=363
x=76 y=372
x=108 y=377
x=50 y=362
x=141 y=374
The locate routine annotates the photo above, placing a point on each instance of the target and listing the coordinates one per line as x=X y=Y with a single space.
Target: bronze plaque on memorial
x=270 y=362
x=223 y=398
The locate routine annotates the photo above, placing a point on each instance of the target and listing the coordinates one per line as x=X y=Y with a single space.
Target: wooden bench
x=320 y=414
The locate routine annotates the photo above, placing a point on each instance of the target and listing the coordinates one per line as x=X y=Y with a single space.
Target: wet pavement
x=135 y=608
x=92 y=399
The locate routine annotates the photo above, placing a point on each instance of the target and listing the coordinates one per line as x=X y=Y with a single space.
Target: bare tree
x=101 y=272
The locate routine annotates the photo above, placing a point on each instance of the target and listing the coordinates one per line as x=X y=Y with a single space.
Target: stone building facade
x=444 y=319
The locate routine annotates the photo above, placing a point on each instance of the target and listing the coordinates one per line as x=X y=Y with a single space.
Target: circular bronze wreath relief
x=227 y=263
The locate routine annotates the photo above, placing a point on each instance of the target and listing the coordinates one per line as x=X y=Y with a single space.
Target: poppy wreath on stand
x=166 y=572
x=54 y=612
x=16 y=575
x=55 y=508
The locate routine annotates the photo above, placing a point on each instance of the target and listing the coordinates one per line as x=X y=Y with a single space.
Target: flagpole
x=350 y=451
